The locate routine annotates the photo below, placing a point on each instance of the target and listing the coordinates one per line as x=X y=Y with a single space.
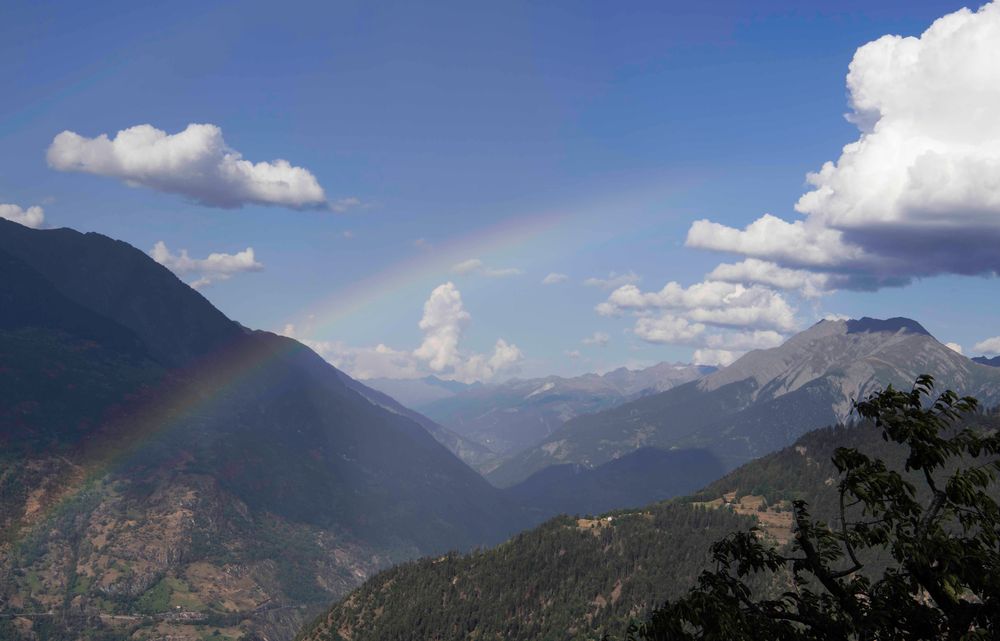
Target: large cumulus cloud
x=195 y=163
x=440 y=352
x=918 y=194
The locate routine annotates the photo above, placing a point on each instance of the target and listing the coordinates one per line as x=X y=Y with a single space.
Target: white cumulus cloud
x=32 y=217
x=440 y=352
x=554 y=279
x=918 y=193
x=214 y=268
x=195 y=163
x=711 y=302
x=990 y=346
x=955 y=347
x=761 y=272
x=668 y=329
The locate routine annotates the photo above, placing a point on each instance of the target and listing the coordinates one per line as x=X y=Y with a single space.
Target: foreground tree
x=913 y=554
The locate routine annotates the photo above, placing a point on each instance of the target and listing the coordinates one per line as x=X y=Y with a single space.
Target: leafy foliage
x=937 y=520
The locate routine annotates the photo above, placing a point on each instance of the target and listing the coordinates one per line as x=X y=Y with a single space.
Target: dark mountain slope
x=637 y=478
x=146 y=466
x=115 y=280
x=465 y=449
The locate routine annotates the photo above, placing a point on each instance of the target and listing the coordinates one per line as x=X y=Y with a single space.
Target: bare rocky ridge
x=764 y=400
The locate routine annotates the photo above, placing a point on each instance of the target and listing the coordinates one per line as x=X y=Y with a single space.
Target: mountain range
x=514 y=415
x=166 y=472
x=159 y=457
x=763 y=401
x=580 y=578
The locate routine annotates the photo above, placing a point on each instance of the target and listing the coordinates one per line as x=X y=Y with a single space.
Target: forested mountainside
x=164 y=469
x=765 y=400
x=582 y=577
x=571 y=578
x=511 y=416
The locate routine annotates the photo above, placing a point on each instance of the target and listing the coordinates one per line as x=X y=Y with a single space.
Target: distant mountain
x=984 y=360
x=159 y=459
x=514 y=415
x=579 y=579
x=469 y=451
x=417 y=392
x=764 y=400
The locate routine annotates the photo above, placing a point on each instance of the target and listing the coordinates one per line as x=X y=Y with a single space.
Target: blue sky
x=572 y=138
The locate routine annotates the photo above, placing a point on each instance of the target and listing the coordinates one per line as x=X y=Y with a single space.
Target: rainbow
x=425 y=265
x=177 y=398
x=183 y=394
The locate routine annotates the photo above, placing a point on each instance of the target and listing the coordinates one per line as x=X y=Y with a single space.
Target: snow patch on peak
x=541 y=390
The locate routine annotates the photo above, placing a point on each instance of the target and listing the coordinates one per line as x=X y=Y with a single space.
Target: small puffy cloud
x=467 y=266
x=344 y=205
x=597 y=338
x=990 y=346
x=955 y=347
x=214 y=268
x=711 y=302
x=440 y=352
x=918 y=193
x=761 y=272
x=554 y=279
x=613 y=281
x=572 y=353
x=195 y=163
x=32 y=217
x=476 y=266
x=715 y=357
x=668 y=329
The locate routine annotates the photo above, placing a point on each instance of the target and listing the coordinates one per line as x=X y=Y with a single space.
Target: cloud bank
x=214 y=268
x=33 y=217
x=195 y=163
x=918 y=193
x=440 y=352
